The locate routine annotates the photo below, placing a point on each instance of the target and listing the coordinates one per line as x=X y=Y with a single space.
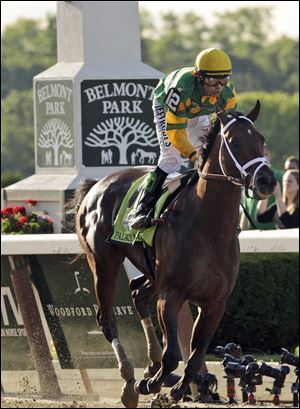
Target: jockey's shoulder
x=181 y=79
x=228 y=89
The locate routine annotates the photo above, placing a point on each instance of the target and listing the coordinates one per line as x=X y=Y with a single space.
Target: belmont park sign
x=117 y=123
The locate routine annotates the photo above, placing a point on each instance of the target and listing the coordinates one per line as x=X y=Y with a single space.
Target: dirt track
x=115 y=403
x=107 y=385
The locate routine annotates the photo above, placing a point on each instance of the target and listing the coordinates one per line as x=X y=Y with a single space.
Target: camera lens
x=288 y=358
x=234 y=369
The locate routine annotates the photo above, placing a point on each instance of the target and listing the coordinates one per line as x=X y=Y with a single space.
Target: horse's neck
x=219 y=198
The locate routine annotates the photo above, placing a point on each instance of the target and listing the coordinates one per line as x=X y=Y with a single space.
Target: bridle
x=246 y=178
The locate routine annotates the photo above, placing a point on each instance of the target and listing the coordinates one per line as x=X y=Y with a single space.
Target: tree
x=122 y=132
x=280 y=63
x=55 y=135
x=242 y=31
x=17 y=152
x=278 y=122
x=174 y=42
x=8 y=177
x=28 y=47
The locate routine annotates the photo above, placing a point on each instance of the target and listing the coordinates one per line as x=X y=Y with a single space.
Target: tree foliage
x=27 y=48
x=17 y=153
x=278 y=121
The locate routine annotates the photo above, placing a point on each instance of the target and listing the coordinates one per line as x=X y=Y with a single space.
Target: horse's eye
x=234 y=142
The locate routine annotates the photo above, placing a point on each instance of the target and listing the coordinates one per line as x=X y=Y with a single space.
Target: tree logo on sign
x=122 y=133
x=55 y=136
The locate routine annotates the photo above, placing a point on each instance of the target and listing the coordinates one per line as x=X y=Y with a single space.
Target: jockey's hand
x=197 y=159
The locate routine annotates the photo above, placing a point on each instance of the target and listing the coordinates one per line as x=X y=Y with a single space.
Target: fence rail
x=251 y=241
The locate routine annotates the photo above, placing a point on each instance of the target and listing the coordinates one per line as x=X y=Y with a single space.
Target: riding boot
x=149 y=197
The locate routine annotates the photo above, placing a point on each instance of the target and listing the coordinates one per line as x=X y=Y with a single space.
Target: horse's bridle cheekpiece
x=246 y=179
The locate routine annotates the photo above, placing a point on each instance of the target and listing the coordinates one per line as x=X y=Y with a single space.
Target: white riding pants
x=170 y=158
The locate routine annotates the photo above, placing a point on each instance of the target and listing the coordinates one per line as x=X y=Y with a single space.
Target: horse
x=150 y=156
x=196 y=254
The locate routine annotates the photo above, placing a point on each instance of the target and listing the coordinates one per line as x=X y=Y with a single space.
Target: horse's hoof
x=142 y=387
x=129 y=396
x=161 y=400
x=177 y=392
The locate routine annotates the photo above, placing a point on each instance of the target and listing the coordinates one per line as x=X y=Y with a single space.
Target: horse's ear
x=224 y=116
x=255 y=112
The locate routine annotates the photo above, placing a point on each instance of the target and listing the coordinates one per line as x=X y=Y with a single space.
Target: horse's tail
x=82 y=190
x=79 y=194
x=72 y=206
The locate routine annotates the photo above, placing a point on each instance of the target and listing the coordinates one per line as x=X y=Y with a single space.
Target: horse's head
x=241 y=152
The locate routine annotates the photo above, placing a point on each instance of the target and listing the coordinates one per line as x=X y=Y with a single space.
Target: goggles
x=213 y=82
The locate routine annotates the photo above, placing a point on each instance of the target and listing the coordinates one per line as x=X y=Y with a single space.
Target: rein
x=246 y=179
x=216 y=176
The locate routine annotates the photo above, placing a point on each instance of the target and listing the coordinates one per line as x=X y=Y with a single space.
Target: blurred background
x=261 y=37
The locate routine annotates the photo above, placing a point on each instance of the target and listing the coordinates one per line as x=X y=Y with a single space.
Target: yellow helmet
x=213 y=62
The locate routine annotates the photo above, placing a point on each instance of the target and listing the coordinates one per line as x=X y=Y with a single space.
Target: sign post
x=33 y=325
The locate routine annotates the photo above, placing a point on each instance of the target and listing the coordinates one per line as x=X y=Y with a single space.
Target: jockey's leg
x=169 y=162
x=149 y=197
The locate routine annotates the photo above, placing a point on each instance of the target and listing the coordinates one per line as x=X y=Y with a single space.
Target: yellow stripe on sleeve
x=179 y=139
x=172 y=119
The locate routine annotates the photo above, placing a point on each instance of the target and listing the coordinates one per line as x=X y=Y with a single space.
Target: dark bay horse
x=196 y=256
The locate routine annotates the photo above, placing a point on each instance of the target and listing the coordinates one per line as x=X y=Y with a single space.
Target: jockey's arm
x=177 y=134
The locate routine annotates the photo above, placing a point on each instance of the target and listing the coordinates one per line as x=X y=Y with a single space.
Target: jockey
x=183 y=101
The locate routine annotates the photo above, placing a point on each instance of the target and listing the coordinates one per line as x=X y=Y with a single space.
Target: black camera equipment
x=291 y=359
x=245 y=361
x=279 y=374
x=231 y=349
x=207 y=386
x=248 y=375
x=231 y=352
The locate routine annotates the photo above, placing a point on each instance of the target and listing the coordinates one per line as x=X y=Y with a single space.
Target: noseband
x=246 y=179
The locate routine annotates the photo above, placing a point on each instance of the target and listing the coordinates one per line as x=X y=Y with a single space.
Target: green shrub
x=262 y=311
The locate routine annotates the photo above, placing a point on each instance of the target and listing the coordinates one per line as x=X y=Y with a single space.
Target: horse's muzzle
x=264 y=183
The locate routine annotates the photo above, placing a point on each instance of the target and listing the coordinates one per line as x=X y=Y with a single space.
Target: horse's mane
x=212 y=134
x=210 y=139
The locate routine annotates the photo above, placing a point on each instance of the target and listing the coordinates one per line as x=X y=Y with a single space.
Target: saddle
x=162 y=214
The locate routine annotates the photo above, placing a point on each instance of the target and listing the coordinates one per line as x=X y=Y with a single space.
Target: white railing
x=251 y=241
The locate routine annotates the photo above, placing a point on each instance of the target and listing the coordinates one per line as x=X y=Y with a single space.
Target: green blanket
x=121 y=231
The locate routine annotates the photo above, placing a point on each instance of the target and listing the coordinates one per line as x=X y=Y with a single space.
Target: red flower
x=23 y=219
x=31 y=202
x=19 y=209
x=7 y=211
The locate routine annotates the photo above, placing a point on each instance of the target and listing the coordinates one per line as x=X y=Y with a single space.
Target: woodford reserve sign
x=117 y=123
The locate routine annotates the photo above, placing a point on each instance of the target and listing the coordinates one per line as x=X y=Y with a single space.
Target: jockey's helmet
x=213 y=62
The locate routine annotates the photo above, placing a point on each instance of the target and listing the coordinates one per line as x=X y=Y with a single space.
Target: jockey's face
x=214 y=86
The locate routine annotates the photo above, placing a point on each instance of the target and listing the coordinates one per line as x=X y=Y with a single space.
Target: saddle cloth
x=121 y=230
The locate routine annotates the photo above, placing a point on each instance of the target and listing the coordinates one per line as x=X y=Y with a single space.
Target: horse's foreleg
x=205 y=326
x=142 y=291
x=168 y=308
x=185 y=330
